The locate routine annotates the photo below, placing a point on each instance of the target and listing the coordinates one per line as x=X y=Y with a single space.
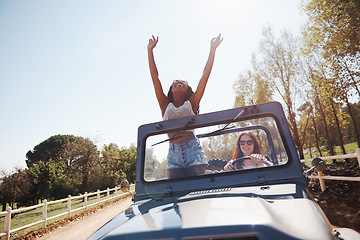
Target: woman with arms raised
x=185 y=157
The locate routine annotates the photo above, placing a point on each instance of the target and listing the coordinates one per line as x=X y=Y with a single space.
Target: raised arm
x=161 y=97
x=215 y=42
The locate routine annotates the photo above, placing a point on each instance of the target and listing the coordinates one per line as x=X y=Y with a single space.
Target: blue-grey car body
x=259 y=203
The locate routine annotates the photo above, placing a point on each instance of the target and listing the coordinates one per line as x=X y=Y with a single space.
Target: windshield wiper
x=226 y=127
x=175 y=136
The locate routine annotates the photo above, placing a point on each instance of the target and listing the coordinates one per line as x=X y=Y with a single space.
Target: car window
x=218 y=145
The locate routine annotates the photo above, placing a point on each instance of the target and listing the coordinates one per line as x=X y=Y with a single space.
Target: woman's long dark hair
x=238 y=153
x=189 y=93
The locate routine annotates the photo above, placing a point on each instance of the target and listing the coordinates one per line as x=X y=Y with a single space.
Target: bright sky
x=80 y=67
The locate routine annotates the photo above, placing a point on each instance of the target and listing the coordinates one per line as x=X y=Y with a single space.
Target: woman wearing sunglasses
x=247 y=145
x=185 y=157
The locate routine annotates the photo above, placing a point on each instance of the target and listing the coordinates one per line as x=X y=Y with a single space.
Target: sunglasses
x=180 y=81
x=249 y=142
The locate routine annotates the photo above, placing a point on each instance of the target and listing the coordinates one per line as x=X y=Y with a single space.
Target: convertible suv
x=261 y=202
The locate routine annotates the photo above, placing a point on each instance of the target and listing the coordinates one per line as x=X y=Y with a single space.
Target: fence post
x=357 y=151
x=322 y=181
x=69 y=206
x=85 y=200
x=7 y=223
x=98 y=197
x=107 y=194
x=44 y=213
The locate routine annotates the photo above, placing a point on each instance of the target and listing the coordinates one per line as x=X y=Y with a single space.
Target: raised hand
x=215 y=42
x=152 y=42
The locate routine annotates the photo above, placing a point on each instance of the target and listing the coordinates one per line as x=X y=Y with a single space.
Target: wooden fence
x=322 y=178
x=45 y=204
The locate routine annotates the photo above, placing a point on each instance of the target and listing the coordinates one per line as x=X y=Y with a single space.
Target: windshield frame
x=272 y=110
x=222 y=132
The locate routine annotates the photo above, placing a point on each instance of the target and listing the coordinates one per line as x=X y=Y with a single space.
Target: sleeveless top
x=172 y=112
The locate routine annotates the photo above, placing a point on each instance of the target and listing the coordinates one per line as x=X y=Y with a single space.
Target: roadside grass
x=349 y=148
x=34 y=215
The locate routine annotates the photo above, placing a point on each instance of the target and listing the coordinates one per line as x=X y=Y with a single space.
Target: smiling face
x=179 y=87
x=246 y=145
x=179 y=92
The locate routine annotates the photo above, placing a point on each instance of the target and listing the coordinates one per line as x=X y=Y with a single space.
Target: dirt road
x=83 y=228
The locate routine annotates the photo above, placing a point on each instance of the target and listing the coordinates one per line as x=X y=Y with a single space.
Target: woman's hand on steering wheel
x=256 y=158
x=234 y=165
x=229 y=167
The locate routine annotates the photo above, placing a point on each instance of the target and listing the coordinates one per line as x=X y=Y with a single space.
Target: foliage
x=118 y=164
x=333 y=26
x=331 y=45
x=220 y=147
x=316 y=77
x=277 y=70
x=51 y=148
x=151 y=164
x=253 y=87
x=14 y=188
x=110 y=166
x=81 y=156
x=67 y=164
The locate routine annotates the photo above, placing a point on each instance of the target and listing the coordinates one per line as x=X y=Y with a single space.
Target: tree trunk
x=85 y=182
x=305 y=130
x=337 y=127
x=325 y=126
x=293 y=127
x=316 y=136
x=310 y=142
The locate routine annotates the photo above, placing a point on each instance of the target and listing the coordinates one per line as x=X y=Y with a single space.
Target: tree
x=222 y=146
x=51 y=148
x=111 y=166
x=278 y=70
x=61 y=165
x=14 y=188
x=129 y=157
x=282 y=63
x=119 y=163
x=253 y=87
x=50 y=180
x=151 y=165
x=333 y=30
x=82 y=156
x=333 y=26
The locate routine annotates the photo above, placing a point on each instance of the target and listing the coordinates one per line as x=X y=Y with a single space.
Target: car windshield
x=219 y=143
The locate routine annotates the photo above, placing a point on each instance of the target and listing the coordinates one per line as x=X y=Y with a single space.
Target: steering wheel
x=239 y=160
x=216 y=164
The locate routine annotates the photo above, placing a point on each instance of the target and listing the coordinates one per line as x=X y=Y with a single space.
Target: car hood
x=261 y=216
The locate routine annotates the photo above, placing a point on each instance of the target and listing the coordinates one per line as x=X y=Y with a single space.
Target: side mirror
x=318 y=164
x=125 y=187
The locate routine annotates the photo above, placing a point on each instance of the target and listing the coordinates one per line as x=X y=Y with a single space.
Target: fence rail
x=45 y=204
x=322 y=178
